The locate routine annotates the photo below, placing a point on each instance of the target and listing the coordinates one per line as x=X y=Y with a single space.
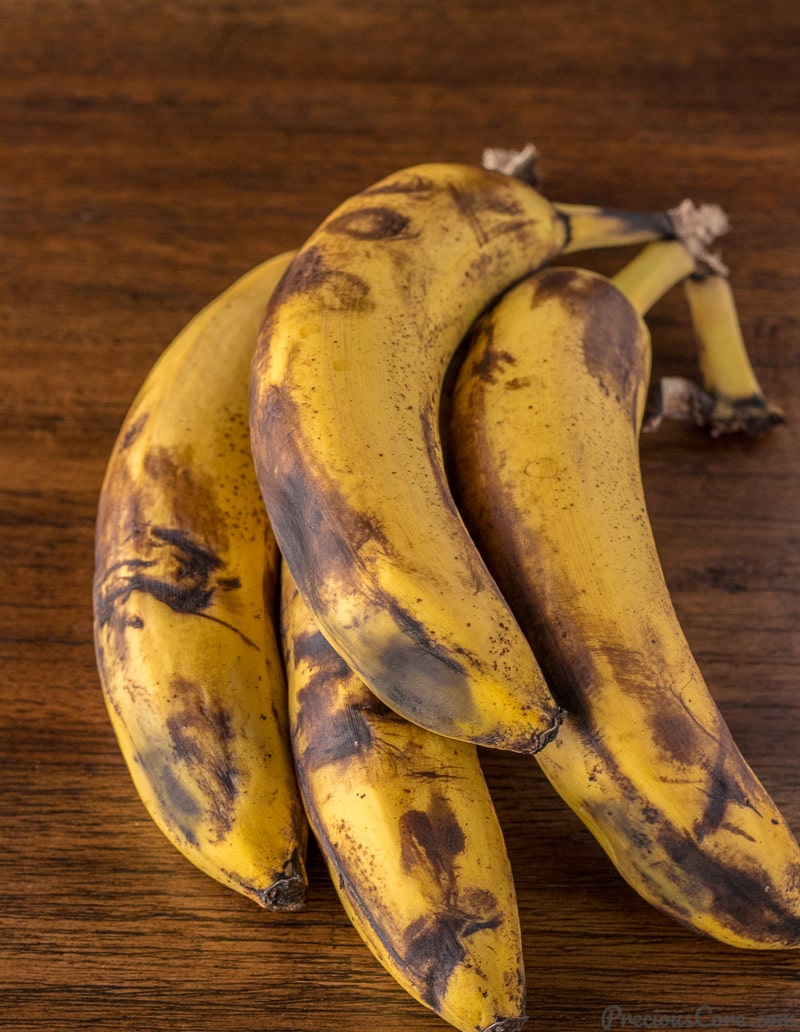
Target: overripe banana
x=545 y=466
x=407 y=828
x=345 y=388
x=186 y=607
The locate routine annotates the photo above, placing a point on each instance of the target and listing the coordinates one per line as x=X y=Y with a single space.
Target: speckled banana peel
x=406 y=825
x=545 y=466
x=186 y=610
x=345 y=392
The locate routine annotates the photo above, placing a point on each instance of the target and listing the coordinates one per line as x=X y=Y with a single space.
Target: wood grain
x=151 y=152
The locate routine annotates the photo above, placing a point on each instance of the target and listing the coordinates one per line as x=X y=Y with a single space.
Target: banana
x=186 y=608
x=345 y=390
x=407 y=828
x=544 y=462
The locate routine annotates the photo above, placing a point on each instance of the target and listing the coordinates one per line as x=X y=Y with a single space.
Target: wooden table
x=151 y=152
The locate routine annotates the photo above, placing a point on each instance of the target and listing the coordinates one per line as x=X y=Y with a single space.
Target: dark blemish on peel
x=435 y=945
x=409 y=184
x=492 y=362
x=133 y=432
x=480 y=210
x=611 y=328
x=181 y=579
x=557 y=283
x=195 y=564
x=306 y=271
x=178 y=806
x=200 y=733
x=338 y=732
x=311 y=538
x=432 y=838
x=371 y=223
x=744 y=900
x=333 y=289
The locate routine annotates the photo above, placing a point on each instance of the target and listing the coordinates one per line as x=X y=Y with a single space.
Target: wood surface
x=154 y=150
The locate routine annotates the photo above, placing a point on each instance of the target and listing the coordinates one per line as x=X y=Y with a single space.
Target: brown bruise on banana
x=434 y=945
x=340 y=533
x=180 y=564
x=200 y=737
x=372 y=222
x=350 y=728
x=480 y=210
x=672 y=862
x=333 y=289
x=340 y=727
x=611 y=330
x=408 y=183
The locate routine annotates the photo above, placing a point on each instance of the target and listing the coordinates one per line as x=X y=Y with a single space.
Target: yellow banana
x=545 y=466
x=345 y=390
x=407 y=828
x=185 y=610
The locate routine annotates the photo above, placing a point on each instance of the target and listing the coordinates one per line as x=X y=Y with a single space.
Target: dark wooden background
x=153 y=150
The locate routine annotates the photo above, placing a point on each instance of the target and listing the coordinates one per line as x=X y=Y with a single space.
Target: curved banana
x=407 y=828
x=545 y=466
x=185 y=610
x=346 y=384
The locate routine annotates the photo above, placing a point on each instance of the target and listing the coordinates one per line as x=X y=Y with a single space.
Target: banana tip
x=286 y=893
x=545 y=737
x=507 y=1024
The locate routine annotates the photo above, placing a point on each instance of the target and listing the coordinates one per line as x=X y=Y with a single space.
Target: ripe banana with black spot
x=407 y=828
x=346 y=385
x=186 y=607
x=545 y=466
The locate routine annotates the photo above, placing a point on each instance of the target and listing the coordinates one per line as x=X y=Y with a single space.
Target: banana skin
x=345 y=390
x=408 y=830
x=185 y=611
x=545 y=466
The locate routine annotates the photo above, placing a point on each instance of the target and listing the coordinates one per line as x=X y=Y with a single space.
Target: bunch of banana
x=545 y=465
x=346 y=384
x=309 y=611
x=185 y=610
x=406 y=825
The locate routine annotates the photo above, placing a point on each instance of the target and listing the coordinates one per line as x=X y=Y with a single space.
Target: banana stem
x=728 y=376
x=653 y=272
x=591 y=227
x=695 y=226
